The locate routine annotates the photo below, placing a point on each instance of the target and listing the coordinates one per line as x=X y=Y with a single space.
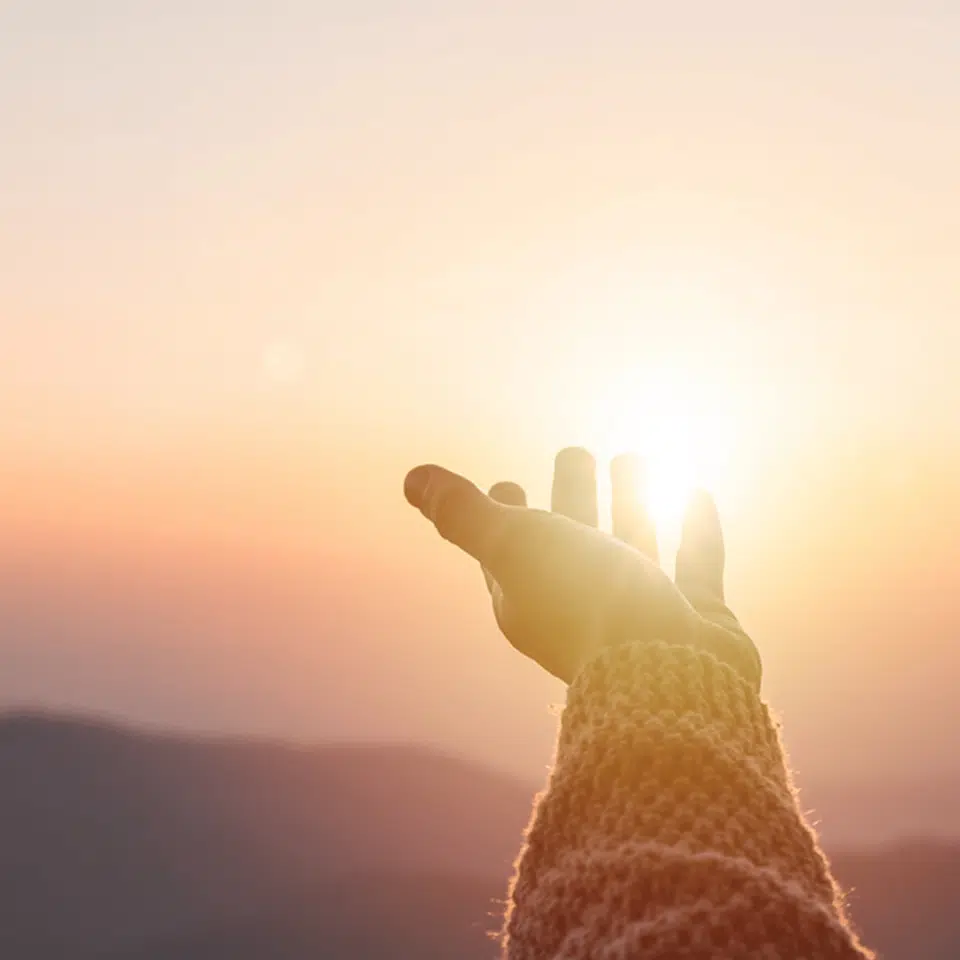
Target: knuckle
x=446 y=507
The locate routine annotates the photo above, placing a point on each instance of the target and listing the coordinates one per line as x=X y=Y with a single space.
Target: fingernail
x=415 y=485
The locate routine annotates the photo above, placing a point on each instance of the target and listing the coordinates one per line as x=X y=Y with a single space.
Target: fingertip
x=702 y=508
x=702 y=529
x=578 y=458
x=700 y=559
x=627 y=470
x=575 y=485
x=416 y=483
x=508 y=493
x=701 y=495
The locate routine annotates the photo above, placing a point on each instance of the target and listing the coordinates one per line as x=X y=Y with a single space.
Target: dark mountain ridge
x=135 y=845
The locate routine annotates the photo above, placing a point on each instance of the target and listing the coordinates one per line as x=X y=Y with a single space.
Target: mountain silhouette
x=132 y=845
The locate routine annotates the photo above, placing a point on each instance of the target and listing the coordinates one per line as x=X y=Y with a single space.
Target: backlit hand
x=562 y=590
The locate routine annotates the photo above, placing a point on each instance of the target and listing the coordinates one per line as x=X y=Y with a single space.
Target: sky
x=256 y=260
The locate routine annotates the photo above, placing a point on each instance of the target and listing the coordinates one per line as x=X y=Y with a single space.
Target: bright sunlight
x=685 y=441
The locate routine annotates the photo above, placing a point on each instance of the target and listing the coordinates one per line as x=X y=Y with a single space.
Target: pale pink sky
x=257 y=259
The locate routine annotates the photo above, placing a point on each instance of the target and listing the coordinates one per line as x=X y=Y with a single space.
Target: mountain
x=905 y=899
x=862 y=813
x=124 y=845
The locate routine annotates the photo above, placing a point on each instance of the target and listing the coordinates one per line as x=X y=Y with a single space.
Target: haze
x=258 y=259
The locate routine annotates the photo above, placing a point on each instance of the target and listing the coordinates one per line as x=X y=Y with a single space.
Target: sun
x=677 y=425
x=673 y=471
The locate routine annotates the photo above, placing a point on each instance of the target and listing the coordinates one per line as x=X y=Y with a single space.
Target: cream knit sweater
x=670 y=828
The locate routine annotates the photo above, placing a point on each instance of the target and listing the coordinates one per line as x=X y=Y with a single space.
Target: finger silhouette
x=511 y=495
x=700 y=559
x=631 y=521
x=575 y=486
x=461 y=513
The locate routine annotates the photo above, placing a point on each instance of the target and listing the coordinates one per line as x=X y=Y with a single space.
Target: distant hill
x=123 y=845
x=871 y=813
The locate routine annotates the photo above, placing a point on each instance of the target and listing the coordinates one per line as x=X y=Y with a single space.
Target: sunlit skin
x=563 y=590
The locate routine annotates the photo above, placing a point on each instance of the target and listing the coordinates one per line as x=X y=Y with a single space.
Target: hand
x=562 y=590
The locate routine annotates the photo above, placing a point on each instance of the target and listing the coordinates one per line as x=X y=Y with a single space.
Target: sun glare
x=676 y=428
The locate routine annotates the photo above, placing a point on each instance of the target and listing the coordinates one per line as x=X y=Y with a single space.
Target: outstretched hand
x=562 y=590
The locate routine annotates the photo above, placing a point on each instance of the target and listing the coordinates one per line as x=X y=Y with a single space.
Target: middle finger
x=575 y=486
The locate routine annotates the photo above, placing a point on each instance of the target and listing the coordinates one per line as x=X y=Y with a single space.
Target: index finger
x=575 y=486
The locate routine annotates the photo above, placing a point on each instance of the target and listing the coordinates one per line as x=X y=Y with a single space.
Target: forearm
x=669 y=826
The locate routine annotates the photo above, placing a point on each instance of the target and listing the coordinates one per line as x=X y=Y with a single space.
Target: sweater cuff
x=679 y=685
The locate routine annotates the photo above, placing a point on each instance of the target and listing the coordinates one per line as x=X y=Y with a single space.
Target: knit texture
x=670 y=827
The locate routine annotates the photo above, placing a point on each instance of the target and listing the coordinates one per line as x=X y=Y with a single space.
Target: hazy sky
x=257 y=259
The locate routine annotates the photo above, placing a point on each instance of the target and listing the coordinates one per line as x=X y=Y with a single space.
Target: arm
x=670 y=827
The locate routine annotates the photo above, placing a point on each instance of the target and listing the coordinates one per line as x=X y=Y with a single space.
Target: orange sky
x=259 y=259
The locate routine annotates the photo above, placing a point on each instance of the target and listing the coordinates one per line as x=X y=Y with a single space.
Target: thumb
x=461 y=513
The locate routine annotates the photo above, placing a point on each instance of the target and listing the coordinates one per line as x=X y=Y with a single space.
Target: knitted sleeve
x=670 y=828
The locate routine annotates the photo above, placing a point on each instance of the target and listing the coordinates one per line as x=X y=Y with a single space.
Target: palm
x=562 y=589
